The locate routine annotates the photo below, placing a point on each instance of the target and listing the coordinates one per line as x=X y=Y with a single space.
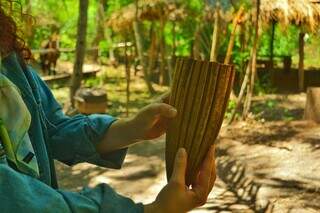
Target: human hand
x=149 y=123
x=176 y=196
x=152 y=121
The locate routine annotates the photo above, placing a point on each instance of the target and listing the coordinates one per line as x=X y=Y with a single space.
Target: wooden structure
x=200 y=93
x=303 y=13
x=90 y=101
x=128 y=20
x=64 y=78
x=149 y=10
x=312 y=110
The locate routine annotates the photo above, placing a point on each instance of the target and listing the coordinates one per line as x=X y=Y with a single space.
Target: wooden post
x=301 y=61
x=312 y=110
x=272 y=43
x=80 y=48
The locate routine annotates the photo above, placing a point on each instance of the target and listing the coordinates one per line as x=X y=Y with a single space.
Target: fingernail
x=181 y=152
x=173 y=111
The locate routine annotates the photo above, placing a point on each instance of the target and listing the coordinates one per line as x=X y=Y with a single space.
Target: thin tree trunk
x=112 y=58
x=227 y=59
x=100 y=35
x=128 y=76
x=272 y=43
x=174 y=43
x=29 y=25
x=254 y=63
x=195 y=48
x=139 y=44
x=80 y=48
x=301 y=61
x=242 y=92
x=236 y=21
x=152 y=50
x=163 y=74
x=215 y=36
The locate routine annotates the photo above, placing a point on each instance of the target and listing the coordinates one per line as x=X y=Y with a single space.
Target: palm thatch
x=150 y=10
x=305 y=13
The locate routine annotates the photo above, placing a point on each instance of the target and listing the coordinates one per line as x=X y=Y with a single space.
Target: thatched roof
x=151 y=10
x=305 y=13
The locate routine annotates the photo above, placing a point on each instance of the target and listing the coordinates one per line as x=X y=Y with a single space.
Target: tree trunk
x=254 y=63
x=128 y=76
x=163 y=72
x=215 y=36
x=140 y=49
x=236 y=21
x=29 y=25
x=174 y=36
x=111 y=49
x=100 y=35
x=80 y=48
x=301 y=61
x=242 y=92
x=152 y=50
x=312 y=110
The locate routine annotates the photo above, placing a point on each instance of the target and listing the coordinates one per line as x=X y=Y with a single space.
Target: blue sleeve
x=22 y=193
x=73 y=139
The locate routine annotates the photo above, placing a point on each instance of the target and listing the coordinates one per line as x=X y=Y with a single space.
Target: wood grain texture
x=200 y=92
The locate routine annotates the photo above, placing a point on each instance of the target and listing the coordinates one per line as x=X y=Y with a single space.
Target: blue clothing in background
x=55 y=136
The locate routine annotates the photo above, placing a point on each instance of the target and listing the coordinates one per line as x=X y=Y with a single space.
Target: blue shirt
x=55 y=136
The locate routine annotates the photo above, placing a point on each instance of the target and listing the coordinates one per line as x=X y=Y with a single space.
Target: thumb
x=162 y=109
x=180 y=166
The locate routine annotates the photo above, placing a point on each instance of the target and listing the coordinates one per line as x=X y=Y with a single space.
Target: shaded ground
x=281 y=156
x=142 y=177
x=270 y=163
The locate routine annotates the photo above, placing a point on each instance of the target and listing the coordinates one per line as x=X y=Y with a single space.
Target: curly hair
x=10 y=33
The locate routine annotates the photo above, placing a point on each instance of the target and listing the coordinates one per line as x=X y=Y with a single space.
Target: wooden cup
x=200 y=93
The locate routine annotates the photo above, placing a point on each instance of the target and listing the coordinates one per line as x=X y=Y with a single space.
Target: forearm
x=121 y=134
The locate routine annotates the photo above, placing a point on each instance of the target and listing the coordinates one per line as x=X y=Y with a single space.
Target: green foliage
x=231 y=106
x=285 y=42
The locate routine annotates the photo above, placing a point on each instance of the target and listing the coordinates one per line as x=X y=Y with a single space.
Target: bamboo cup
x=200 y=93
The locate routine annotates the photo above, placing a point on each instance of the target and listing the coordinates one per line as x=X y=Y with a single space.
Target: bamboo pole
x=242 y=92
x=215 y=35
x=301 y=61
x=254 y=63
x=235 y=24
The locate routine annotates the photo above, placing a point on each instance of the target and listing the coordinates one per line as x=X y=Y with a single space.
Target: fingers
x=213 y=172
x=162 y=109
x=180 y=166
x=205 y=180
x=164 y=98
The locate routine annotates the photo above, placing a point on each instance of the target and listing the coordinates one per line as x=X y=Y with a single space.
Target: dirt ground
x=270 y=163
